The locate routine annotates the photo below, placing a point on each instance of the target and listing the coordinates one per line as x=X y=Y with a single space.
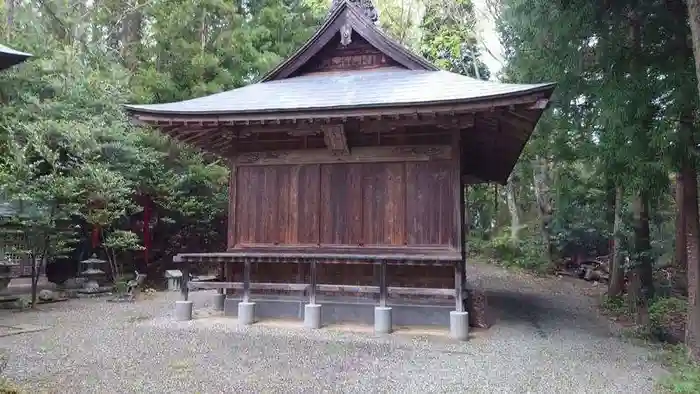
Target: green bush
x=526 y=253
x=120 y=287
x=667 y=318
x=616 y=305
x=685 y=375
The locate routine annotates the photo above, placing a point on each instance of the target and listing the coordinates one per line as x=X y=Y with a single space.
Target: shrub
x=667 y=317
x=526 y=253
x=685 y=375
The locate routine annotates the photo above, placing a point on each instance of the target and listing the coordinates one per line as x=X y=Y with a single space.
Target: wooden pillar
x=460 y=279
x=314 y=282
x=231 y=226
x=184 y=284
x=460 y=217
x=246 y=280
x=383 y=288
x=222 y=274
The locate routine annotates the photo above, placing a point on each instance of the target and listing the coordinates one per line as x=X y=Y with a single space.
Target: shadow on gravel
x=544 y=315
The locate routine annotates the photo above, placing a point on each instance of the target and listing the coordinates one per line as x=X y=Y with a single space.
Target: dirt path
x=546 y=303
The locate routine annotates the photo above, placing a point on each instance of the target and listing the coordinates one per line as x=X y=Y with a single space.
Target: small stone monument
x=93 y=274
x=7 y=262
x=174 y=278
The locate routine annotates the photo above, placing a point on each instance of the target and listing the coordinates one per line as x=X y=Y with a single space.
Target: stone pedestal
x=183 y=310
x=312 y=316
x=246 y=313
x=382 y=320
x=218 y=301
x=459 y=325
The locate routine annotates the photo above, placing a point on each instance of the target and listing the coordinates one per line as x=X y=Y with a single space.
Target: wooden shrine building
x=348 y=167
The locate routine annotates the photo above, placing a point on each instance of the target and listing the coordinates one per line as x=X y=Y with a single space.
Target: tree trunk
x=681 y=259
x=544 y=204
x=513 y=209
x=617 y=270
x=35 y=281
x=690 y=211
x=692 y=234
x=694 y=20
x=687 y=183
x=132 y=26
x=10 y=17
x=641 y=281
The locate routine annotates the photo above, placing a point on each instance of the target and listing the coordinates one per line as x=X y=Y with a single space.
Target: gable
x=345 y=25
x=357 y=55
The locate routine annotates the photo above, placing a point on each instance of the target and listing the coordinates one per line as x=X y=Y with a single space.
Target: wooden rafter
x=335 y=138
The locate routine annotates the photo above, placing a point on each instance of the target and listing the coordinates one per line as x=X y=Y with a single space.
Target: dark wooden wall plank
x=245 y=204
x=383 y=197
x=268 y=197
x=309 y=205
x=348 y=204
x=341 y=207
x=287 y=213
x=430 y=203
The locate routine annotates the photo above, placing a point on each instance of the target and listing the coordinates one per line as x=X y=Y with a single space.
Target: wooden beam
x=358 y=155
x=522 y=127
x=192 y=137
x=353 y=255
x=306 y=127
x=303 y=287
x=542 y=103
x=335 y=138
x=253 y=286
x=463 y=121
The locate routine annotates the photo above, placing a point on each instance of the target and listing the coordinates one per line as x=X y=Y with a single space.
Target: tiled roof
x=344 y=90
x=9 y=57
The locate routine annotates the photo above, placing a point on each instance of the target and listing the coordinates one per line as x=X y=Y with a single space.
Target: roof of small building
x=313 y=85
x=10 y=57
x=391 y=86
x=418 y=83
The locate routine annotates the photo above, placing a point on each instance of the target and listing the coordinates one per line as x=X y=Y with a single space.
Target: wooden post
x=222 y=273
x=246 y=280
x=383 y=288
x=460 y=278
x=314 y=284
x=184 y=283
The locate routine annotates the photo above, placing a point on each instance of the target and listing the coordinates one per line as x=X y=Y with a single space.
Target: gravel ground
x=547 y=338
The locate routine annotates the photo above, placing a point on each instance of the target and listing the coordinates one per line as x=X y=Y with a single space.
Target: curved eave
x=544 y=90
x=10 y=57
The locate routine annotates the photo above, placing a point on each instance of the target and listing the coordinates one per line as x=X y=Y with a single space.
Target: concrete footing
x=218 y=301
x=382 y=320
x=459 y=325
x=246 y=313
x=312 y=316
x=183 y=310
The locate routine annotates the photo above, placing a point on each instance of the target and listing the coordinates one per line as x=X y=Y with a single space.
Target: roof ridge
x=347 y=15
